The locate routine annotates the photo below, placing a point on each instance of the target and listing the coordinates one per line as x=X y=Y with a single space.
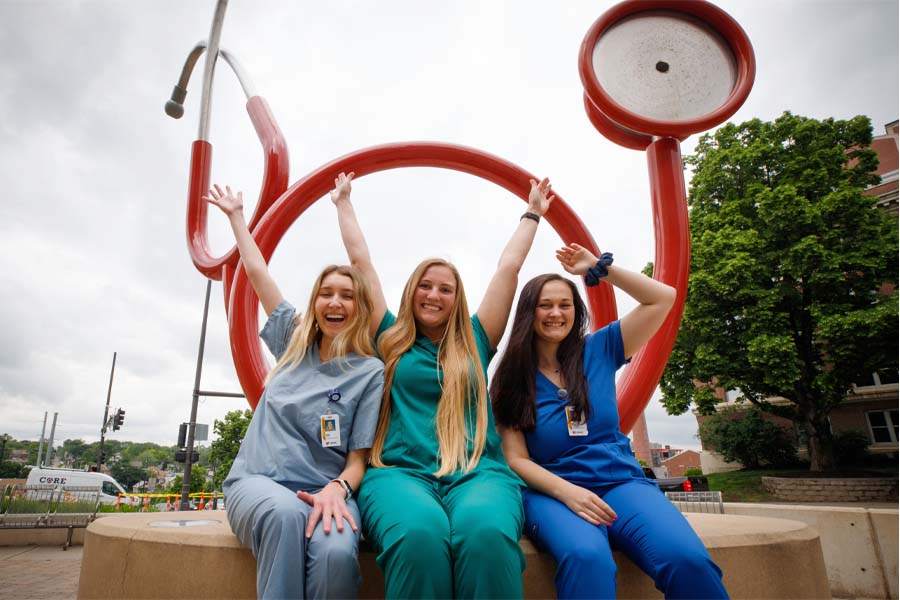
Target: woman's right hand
x=342 y=187
x=227 y=202
x=588 y=505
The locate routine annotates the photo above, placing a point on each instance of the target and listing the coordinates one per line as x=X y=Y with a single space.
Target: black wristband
x=532 y=216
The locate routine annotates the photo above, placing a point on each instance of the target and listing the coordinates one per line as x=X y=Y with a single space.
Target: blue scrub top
x=603 y=456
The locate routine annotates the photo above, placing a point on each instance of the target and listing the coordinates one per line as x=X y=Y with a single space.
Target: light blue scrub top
x=283 y=441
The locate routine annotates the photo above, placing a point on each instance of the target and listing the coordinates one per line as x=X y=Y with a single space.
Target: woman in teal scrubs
x=440 y=504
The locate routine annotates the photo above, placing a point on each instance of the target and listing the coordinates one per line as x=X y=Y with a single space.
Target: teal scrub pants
x=453 y=538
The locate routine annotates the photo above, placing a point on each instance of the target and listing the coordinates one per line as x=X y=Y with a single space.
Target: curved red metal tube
x=275 y=181
x=243 y=322
x=671 y=265
x=718 y=19
x=612 y=132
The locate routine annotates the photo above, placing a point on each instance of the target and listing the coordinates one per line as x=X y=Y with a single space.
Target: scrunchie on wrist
x=598 y=271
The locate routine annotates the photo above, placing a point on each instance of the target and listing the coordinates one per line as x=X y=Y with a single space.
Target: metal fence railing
x=48 y=506
x=697 y=502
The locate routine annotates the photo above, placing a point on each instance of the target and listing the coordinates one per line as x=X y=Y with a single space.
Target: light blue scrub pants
x=268 y=518
x=649 y=529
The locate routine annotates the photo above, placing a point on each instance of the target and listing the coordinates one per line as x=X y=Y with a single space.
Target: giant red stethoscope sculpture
x=654 y=72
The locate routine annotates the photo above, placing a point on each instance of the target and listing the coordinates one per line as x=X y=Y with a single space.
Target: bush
x=744 y=436
x=693 y=472
x=851 y=448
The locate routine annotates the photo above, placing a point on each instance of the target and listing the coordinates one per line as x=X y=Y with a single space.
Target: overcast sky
x=92 y=239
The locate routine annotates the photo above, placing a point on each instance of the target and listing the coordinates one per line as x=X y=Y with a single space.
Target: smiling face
x=433 y=300
x=554 y=314
x=335 y=304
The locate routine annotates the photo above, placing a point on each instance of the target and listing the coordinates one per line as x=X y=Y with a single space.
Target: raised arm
x=254 y=264
x=581 y=501
x=655 y=298
x=497 y=302
x=357 y=249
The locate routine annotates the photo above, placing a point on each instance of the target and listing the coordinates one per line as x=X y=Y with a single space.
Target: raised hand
x=575 y=259
x=328 y=503
x=227 y=202
x=540 y=197
x=342 y=187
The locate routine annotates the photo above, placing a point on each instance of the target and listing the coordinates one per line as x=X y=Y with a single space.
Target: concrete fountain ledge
x=195 y=555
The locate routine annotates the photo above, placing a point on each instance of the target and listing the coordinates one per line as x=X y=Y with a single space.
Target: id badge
x=575 y=427
x=331 y=430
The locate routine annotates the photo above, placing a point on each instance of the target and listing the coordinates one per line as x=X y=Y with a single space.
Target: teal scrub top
x=411 y=440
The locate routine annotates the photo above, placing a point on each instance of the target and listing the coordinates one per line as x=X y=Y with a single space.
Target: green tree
x=745 y=436
x=127 y=475
x=231 y=431
x=198 y=477
x=787 y=259
x=13 y=470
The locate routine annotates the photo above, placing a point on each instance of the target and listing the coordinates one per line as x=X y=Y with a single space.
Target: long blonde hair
x=462 y=374
x=354 y=338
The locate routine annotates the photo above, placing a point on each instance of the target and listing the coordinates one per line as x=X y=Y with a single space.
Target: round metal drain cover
x=183 y=523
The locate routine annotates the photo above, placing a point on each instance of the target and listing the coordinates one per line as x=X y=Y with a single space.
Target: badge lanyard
x=330 y=423
x=577 y=427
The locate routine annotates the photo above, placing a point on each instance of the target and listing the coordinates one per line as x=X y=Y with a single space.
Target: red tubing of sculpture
x=672 y=263
x=275 y=181
x=243 y=322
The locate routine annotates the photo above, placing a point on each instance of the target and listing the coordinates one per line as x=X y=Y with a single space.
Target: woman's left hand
x=540 y=197
x=328 y=503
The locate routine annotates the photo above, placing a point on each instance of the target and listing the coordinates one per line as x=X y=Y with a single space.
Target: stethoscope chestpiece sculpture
x=655 y=72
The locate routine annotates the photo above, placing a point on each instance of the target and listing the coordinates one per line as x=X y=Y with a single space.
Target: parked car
x=678 y=484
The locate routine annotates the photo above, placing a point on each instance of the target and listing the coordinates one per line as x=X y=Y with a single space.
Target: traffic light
x=181 y=456
x=182 y=435
x=118 y=419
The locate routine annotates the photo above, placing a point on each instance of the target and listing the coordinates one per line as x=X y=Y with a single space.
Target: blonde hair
x=354 y=338
x=462 y=374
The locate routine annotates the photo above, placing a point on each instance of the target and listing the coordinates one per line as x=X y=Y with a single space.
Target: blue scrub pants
x=269 y=518
x=436 y=539
x=649 y=529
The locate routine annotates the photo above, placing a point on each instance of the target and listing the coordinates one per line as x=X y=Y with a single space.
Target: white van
x=109 y=487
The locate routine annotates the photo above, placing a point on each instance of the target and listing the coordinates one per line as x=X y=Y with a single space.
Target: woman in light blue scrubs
x=290 y=489
x=554 y=399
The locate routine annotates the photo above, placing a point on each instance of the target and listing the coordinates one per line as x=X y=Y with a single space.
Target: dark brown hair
x=512 y=388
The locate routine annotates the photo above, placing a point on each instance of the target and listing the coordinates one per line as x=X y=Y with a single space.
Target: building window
x=883 y=425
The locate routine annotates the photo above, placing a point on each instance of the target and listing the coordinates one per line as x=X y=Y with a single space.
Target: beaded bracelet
x=598 y=271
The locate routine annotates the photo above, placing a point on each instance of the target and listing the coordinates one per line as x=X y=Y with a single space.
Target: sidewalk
x=39 y=572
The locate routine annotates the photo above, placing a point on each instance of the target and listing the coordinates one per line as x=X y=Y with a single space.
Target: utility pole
x=189 y=448
x=41 y=444
x=50 y=441
x=106 y=415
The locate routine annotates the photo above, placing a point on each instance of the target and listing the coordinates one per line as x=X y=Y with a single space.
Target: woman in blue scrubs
x=554 y=401
x=290 y=489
